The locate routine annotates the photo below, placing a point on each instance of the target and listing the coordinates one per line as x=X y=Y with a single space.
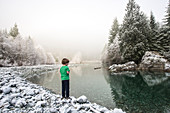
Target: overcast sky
x=70 y=26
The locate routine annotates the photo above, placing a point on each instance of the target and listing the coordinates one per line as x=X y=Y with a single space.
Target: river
x=132 y=92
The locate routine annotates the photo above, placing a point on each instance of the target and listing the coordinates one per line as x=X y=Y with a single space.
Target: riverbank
x=19 y=95
x=151 y=61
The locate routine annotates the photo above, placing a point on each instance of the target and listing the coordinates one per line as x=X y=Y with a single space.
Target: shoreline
x=19 y=95
x=151 y=61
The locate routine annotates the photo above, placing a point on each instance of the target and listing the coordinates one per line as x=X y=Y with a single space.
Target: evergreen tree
x=154 y=30
x=114 y=31
x=152 y=24
x=163 y=41
x=134 y=33
x=167 y=17
x=14 y=31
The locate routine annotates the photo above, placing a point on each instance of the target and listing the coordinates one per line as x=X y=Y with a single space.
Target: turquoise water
x=140 y=92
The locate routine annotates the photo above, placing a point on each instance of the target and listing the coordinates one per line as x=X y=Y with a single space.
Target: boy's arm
x=68 y=71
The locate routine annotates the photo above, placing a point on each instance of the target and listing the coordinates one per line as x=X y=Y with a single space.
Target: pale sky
x=70 y=26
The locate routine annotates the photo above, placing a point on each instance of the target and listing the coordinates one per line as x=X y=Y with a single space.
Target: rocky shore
x=151 y=61
x=17 y=95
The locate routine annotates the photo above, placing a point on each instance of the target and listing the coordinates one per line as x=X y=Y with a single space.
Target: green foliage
x=167 y=16
x=154 y=31
x=114 y=31
x=14 y=31
x=152 y=24
x=163 y=39
x=134 y=33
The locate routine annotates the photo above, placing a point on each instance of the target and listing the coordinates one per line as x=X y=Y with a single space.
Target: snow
x=114 y=51
x=149 y=55
x=167 y=66
x=6 y=89
x=40 y=104
x=129 y=66
x=82 y=99
x=154 y=61
x=118 y=111
x=18 y=95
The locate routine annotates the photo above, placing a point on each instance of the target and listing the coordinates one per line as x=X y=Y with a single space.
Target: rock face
x=153 y=61
x=129 y=66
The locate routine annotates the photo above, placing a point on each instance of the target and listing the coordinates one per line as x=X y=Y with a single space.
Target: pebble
x=41 y=104
x=53 y=110
x=6 y=89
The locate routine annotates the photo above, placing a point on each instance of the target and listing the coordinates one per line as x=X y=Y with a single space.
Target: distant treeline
x=17 y=51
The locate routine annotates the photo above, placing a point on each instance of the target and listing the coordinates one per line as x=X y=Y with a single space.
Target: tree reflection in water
x=140 y=92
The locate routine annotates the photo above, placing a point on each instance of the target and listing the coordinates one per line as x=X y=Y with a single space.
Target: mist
x=66 y=27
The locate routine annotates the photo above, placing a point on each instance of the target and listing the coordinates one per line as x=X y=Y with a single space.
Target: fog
x=70 y=27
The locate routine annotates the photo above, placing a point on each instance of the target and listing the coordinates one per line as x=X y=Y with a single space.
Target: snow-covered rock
x=129 y=66
x=116 y=110
x=153 y=61
x=20 y=102
x=82 y=99
x=41 y=104
x=53 y=110
x=6 y=89
x=167 y=67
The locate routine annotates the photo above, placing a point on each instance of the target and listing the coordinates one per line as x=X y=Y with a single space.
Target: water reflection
x=47 y=80
x=77 y=70
x=143 y=92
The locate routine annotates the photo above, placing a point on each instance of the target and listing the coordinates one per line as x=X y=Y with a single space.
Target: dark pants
x=65 y=88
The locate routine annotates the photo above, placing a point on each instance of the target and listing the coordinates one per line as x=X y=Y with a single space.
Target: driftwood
x=97 y=68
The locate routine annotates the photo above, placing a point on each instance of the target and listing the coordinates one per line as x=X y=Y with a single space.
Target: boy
x=64 y=70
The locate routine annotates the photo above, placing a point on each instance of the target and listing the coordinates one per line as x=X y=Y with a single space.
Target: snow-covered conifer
x=114 y=31
x=134 y=33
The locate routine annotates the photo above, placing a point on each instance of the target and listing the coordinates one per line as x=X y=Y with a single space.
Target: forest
x=18 y=51
x=137 y=34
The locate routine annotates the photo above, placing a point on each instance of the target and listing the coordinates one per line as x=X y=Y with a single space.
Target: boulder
x=6 y=89
x=129 y=66
x=153 y=61
x=82 y=99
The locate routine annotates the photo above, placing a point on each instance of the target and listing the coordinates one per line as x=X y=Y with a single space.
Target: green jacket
x=63 y=71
